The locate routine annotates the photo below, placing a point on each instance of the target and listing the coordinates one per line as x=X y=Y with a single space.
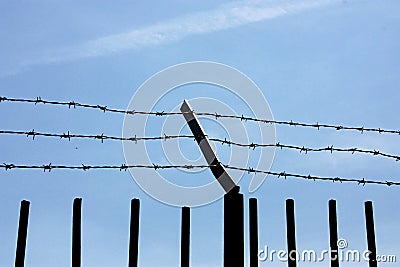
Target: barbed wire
x=105 y=108
x=124 y=167
x=166 y=137
x=101 y=137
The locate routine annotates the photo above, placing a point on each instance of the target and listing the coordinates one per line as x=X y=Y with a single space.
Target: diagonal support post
x=216 y=167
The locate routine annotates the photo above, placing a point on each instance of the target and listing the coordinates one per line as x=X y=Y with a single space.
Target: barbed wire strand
x=165 y=137
x=49 y=167
x=101 y=137
x=104 y=108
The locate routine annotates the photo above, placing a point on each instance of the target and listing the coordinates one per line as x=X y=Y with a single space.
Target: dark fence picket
x=185 y=237
x=134 y=233
x=369 y=221
x=233 y=228
x=333 y=234
x=76 y=232
x=22 y=234
x=291 y=233
x=253 y=232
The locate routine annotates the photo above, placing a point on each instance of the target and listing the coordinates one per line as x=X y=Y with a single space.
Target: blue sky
x=315 y=61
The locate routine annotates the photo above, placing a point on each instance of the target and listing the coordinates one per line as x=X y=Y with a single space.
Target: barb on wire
x=49 y=167
x=166 y=137
x=317 y=125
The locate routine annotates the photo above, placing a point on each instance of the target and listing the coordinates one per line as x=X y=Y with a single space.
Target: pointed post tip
x=185 y=107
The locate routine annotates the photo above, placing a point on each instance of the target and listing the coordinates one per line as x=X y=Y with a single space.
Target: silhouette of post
x=253 y=229
x=217 y=169
x=185 y=237
x=233 y=228
x=76 y=232
x=134 y=233
x=22 y=234
x=333 y=234
x=369 y=219
x=291 y=233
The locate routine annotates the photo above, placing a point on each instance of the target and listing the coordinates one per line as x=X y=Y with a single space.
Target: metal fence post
x=76 y=232
x=369 y=220
x=233 y=228
x=22 y=234
x=185 y=237
x=291 y=233
x=333 y=234
x=134 y=233
x=253 y=229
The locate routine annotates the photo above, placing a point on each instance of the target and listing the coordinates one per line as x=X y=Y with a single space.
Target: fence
x=234 y=248
x=234 y=243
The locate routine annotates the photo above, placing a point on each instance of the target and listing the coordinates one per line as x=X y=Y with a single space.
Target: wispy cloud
x=227 y=16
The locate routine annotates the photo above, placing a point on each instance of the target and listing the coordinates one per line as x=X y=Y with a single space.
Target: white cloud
x=227 y=16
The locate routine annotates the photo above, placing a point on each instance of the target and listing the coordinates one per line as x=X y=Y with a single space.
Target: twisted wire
x=49 y=167
x=105 y=108
x=166 y=137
